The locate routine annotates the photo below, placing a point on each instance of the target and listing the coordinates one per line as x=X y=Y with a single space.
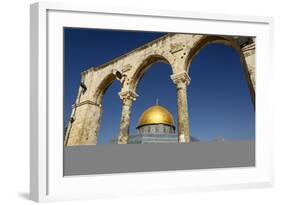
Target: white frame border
x=39 y=175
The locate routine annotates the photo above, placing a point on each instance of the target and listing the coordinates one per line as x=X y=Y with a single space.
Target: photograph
x=139 y=87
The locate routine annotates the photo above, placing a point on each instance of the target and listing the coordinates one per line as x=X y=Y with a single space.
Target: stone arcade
x=178 y=50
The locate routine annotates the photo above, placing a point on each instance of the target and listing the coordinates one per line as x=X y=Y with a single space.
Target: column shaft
x=183 y=120
x=182 y=80
x=250 y=68
x=125 y=122
x=127 y=98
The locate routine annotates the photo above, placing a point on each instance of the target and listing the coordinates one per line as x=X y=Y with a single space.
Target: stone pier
x=127 y=98
x=181 y=81
x=84 y=126
x=249 y=59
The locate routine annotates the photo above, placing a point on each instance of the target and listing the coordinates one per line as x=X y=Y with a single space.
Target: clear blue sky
x=218 y=96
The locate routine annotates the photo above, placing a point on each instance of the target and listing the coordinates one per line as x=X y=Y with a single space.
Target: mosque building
x=155 y=125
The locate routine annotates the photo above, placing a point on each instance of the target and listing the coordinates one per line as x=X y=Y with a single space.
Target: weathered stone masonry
x=178 y=50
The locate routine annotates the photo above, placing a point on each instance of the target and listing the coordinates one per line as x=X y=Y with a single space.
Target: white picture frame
x=47 y=182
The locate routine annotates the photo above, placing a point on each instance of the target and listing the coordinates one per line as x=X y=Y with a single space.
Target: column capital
x=128 y=95
x=181 y=79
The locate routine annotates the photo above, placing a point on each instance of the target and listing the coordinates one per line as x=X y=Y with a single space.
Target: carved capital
x=181 y=79
x=249 y=50
x=127 y=96
x=243 y=42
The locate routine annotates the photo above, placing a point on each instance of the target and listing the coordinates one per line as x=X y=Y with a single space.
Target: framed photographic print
x=128 y=102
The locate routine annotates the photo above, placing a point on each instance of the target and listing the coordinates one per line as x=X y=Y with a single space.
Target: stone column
x=248 y=57
x=249 y=53
x=127 y=98
x=84 y=124
x=182 y=80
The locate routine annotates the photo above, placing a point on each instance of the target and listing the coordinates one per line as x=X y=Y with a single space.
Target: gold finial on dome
x=156 y=115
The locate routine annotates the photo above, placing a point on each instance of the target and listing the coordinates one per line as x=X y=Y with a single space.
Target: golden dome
x=156 y=115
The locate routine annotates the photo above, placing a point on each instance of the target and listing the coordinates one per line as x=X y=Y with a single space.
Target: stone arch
x=98 y=96
x=177 y=50
x=144 y=66
x=228 y=41
x=102 y=87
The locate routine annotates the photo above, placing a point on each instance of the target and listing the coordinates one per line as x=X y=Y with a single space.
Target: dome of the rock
x=156 y=115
